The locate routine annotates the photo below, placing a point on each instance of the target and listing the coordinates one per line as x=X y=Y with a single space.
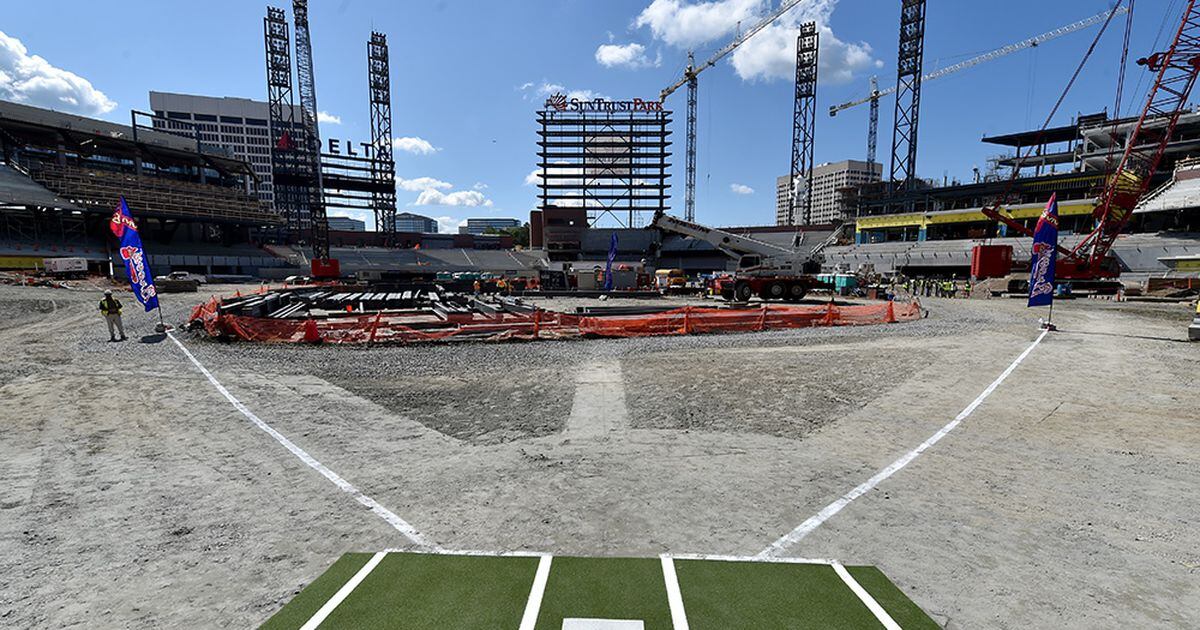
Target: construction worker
x=501 y=285
x=110 y=308
x=477 y=287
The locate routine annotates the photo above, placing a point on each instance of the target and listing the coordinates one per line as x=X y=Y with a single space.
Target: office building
x=479 y=226
x=828 y=179
x=409 y=222
x=346 y=224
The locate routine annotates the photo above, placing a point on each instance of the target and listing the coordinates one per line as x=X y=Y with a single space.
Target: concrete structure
x=409 y=222
x=828 y=179
x=479 y=226
x=346 y=224
x=239 y=124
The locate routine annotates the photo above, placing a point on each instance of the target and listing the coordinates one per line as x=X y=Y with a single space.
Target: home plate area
x=542 y=592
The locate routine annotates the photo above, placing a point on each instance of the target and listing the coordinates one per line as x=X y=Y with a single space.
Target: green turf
x=605 y=588
x=312 y=598
x=410 y=590
x=734 y=595
x=900 y=607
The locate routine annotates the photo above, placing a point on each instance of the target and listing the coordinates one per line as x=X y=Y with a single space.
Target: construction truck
x=772 y=272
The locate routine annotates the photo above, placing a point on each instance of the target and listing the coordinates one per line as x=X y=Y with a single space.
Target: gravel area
x=135 y=496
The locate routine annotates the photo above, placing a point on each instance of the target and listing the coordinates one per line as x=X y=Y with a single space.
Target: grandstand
x=61 y=175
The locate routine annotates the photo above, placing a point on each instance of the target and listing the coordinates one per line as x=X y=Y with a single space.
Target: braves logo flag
x=136 y=266
x=612 y=255
x=1045 y=250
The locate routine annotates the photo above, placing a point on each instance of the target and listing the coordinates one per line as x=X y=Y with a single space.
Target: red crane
x=1176 y=69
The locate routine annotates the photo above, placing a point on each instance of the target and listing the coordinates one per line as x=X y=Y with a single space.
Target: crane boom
x=731 y=244
x=783 y=7
x=988 y=56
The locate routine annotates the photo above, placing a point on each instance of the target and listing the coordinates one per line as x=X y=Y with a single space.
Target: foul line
x=877 y=610
x=343 y=592
x=815 y=521
x=395 y=521
x=534 y=605
x=674 y=597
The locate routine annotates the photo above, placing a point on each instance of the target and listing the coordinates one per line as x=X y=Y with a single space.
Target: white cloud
x=414 y=145
x=326 y=117
x=741 y=189
x=449 y=225
x=461 y=198
x=770 y=54
x=525 y=86
x=31 y=80
x=546 y=88
x=421 y=184
x=534 y=177
x=626 y=56
x=686 y=24
x=480 y=186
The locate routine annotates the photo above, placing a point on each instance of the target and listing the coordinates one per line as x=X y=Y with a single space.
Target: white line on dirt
x=599 y=405
x=877 y=610
x=343 y=592
x=402 y=526
x=674 y=597
x=534 y=605
x=815 y=521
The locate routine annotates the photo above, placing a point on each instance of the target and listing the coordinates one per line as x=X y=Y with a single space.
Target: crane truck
x=772 y=272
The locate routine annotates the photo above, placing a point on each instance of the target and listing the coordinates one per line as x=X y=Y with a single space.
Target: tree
x=520 y=235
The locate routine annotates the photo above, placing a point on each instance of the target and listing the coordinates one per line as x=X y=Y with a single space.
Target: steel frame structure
x=383 y=164
x=908 y=94
x=873 y=123
x=804 y=122
x=689 y=190
x=311 y=152
x=288 y=178
x=607 y=162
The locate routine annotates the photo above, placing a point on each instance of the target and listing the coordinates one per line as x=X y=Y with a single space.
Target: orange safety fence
x=386 y=327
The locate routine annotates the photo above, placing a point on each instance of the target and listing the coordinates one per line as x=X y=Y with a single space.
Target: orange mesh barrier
x=400 y=328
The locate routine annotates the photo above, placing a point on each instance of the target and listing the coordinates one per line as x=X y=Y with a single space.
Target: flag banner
x=134 y=255
x=1045 y=250
x=612 y=255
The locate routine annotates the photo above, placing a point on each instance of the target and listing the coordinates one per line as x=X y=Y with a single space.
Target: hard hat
x=108 y=292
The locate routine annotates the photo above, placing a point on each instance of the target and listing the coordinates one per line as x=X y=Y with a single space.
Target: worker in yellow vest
x=110 y=308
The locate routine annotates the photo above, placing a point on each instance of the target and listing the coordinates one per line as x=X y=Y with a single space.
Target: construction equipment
x=804 y=123
x=1033 y=42
x=1176 y=70
x=771 y=272
x=909 y=60
x=689 y=77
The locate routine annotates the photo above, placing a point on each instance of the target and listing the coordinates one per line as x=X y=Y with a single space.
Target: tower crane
x=875 y=93
x=689 y=78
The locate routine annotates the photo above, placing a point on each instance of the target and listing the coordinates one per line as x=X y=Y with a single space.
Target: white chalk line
x=343 y=592
x=674 y=597
x=865 y=597
x=830 y=510
x=533 y=606
x=402 y=526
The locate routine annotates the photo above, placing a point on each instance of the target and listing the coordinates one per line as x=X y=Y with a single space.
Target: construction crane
x=875 y=94
x=306 y=86
x=689 y=78
x=1176 y=70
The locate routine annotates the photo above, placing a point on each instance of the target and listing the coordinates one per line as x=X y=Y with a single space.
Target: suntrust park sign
x=559 y=102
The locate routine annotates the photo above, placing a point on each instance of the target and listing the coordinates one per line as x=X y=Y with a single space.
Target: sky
x=468 y=76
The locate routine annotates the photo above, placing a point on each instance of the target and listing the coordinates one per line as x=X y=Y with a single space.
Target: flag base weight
x=1046 y=325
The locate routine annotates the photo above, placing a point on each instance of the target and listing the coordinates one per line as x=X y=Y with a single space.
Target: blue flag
x=1045 y=250
x=612 y=255
x=136 y=265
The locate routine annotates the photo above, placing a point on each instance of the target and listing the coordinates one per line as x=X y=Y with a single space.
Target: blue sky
x=467 y=77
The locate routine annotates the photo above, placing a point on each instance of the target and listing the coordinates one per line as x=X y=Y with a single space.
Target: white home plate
x=603 y=624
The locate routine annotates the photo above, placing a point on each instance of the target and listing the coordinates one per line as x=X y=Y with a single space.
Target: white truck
x=65 y=267
x=772 y=272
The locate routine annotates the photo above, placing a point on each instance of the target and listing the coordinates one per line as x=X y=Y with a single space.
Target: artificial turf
x=411 y=590
x=310 y=600
x=605 y=588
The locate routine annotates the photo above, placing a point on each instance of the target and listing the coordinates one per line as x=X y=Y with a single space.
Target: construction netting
x=384 y=327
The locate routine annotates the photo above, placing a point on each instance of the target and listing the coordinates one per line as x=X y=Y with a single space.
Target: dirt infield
x=137 y=496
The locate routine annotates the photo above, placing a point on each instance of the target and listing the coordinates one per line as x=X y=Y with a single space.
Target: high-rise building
x=828 y=179
x=409 y=222
x=239 y=124
x=346 y=224
x=479 y=226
